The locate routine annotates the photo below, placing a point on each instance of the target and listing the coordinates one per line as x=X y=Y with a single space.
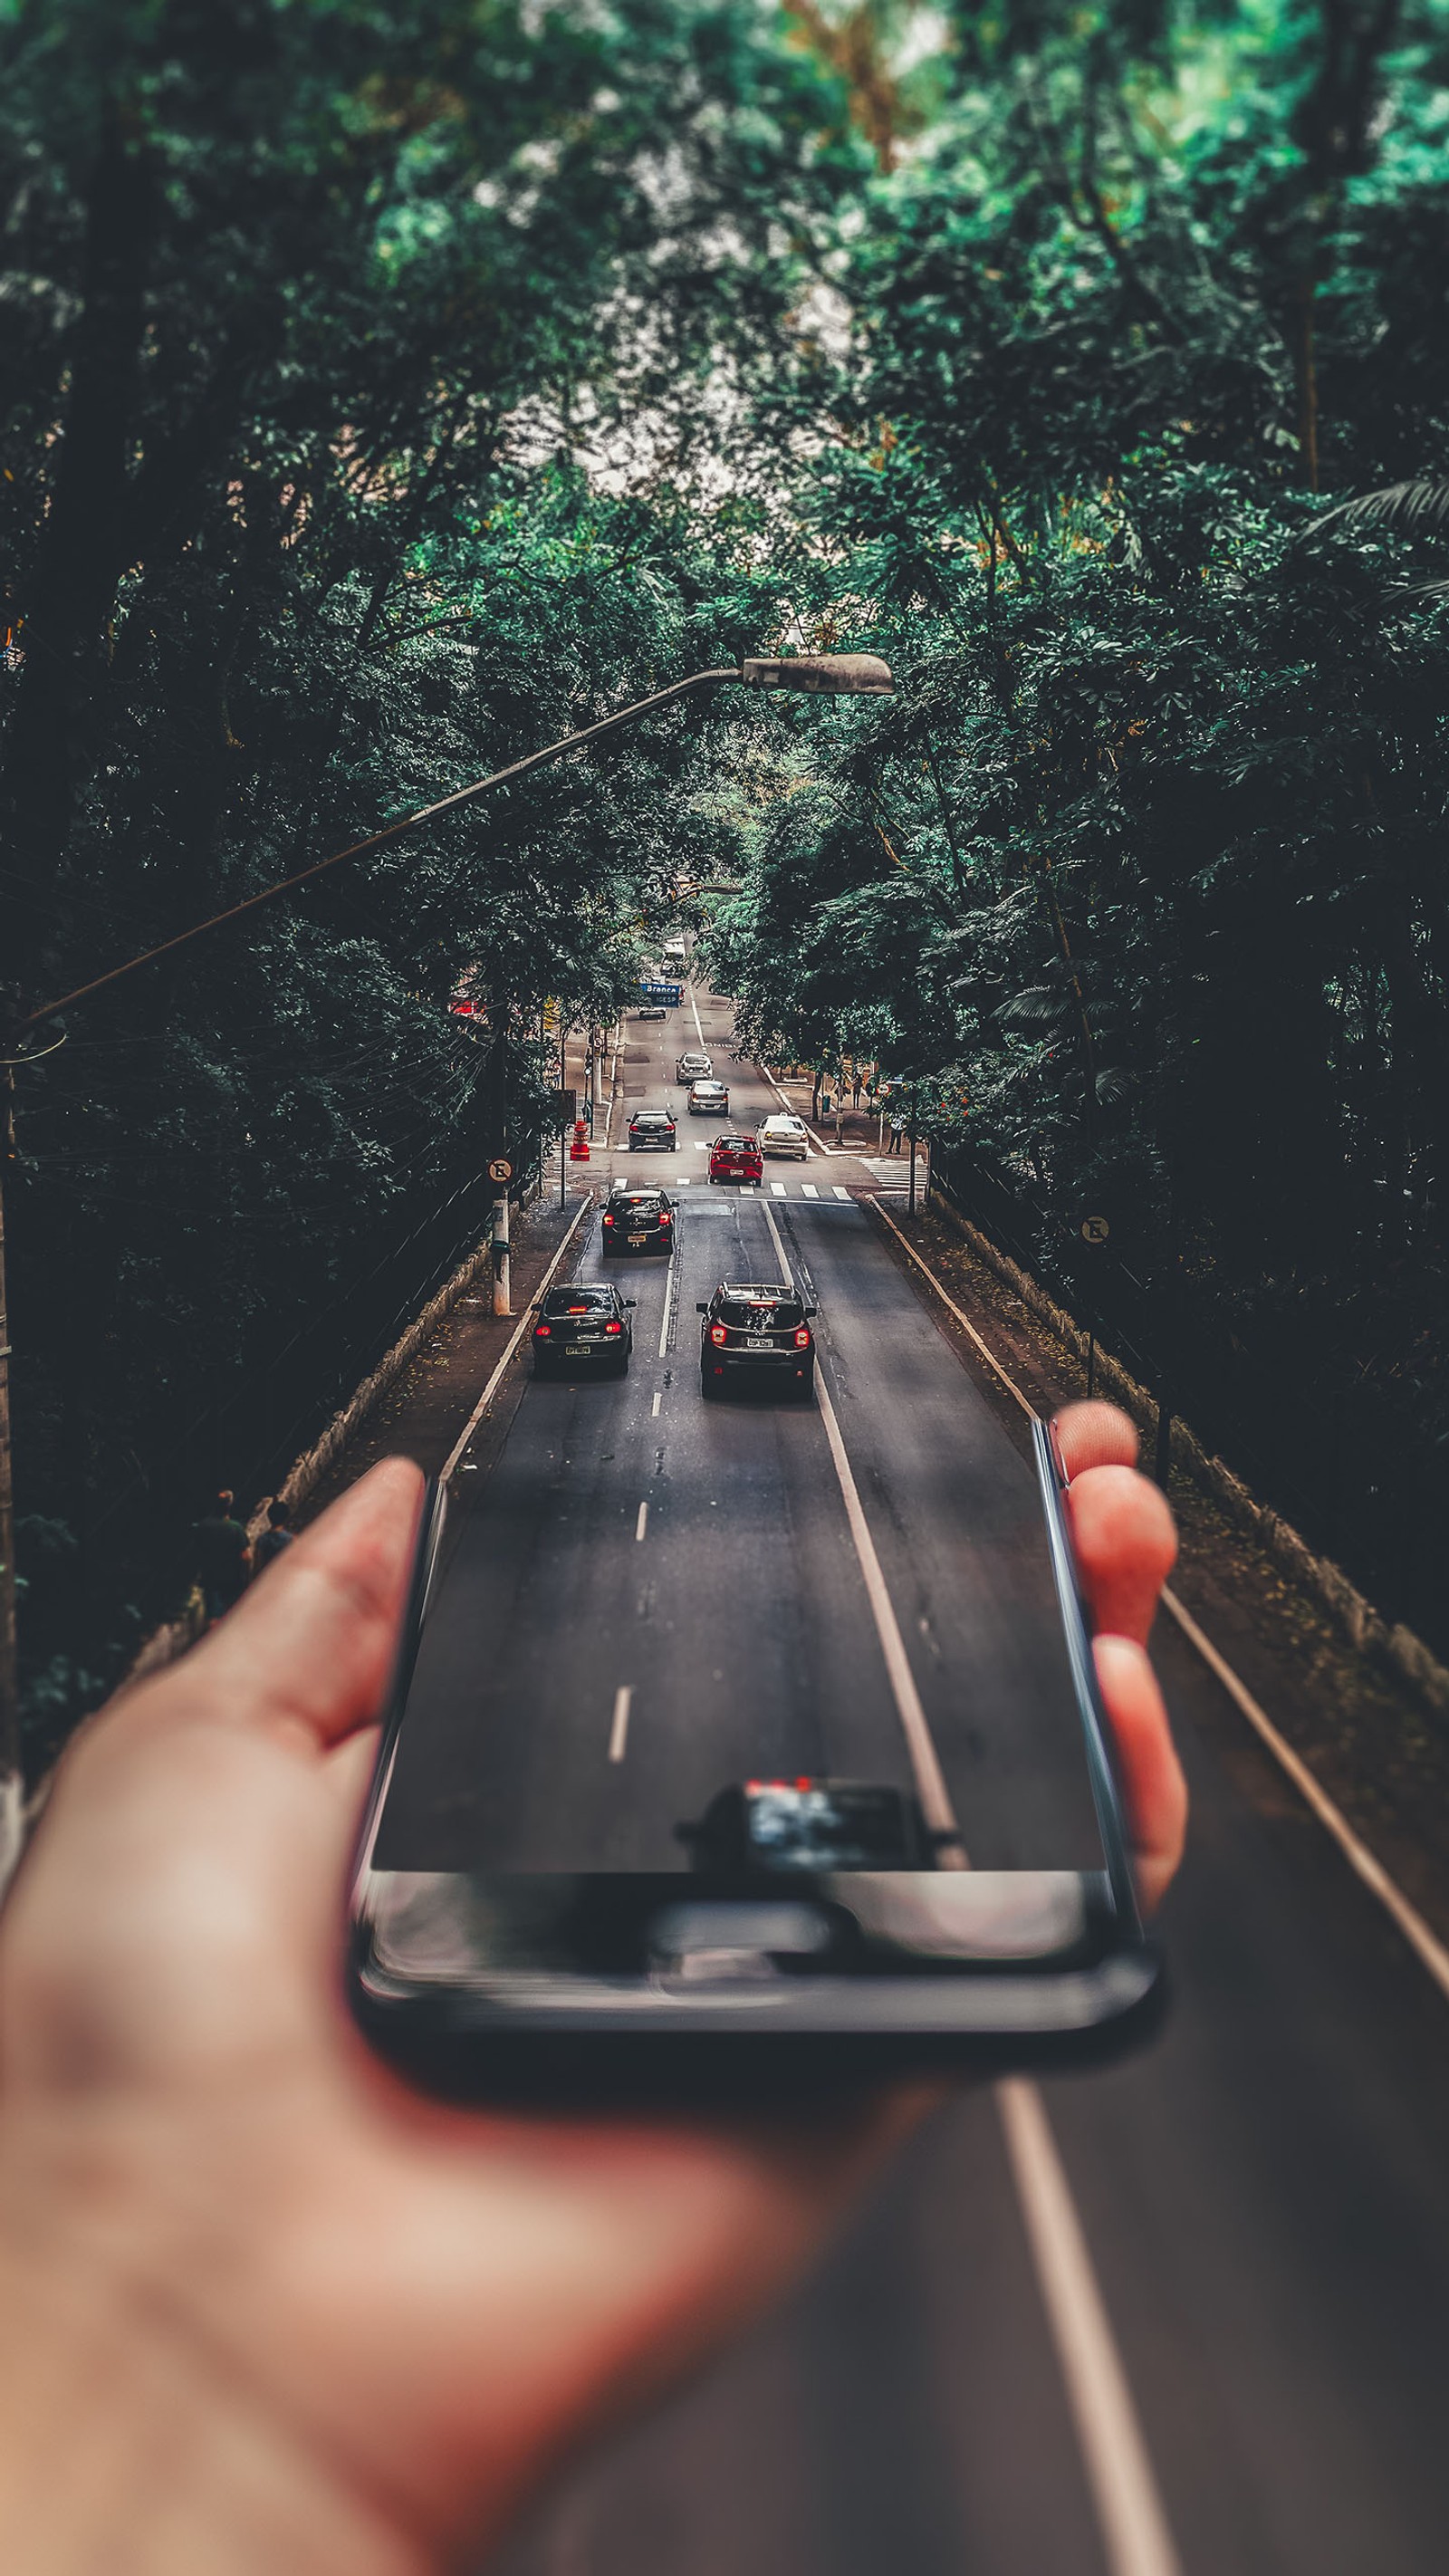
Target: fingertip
x=1095 y=1434
x=1153 y=1786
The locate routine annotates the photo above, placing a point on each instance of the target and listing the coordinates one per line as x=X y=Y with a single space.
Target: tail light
x=718 y=1336
x=802 y=1337
x=613 y=1325
x=542 y=1332
x=666 y=1220
x=608 y=1220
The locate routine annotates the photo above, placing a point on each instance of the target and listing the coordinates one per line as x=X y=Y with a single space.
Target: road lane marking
x=450 y=1463
x=808 y=1190
x=1427 y=1947
x=930 y=1780
x=669 y=1290
x=658 y=1400
x=840 y=1190
x=639 y=1525
x=1135 y=2537
x=777 y=1189
x=619 y=1732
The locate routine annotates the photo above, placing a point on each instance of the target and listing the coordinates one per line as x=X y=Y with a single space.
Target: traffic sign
x=1095 y=1229
x=500 y=1170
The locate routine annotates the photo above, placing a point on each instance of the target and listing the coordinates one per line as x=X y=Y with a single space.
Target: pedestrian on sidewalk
x=277 y=1535
x=897 y=1129
x=223 y=1556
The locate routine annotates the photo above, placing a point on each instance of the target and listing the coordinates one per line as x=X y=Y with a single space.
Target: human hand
x=263 y=2306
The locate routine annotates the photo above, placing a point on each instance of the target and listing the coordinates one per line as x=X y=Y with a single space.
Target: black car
x=638 y=1221
x=755 y=1329
x=583 y=1330
x=759 y=1826
x=651 y=1131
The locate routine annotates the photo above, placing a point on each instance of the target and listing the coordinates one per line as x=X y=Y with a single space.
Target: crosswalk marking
x=809 y=1190
x=777 y=1189
x=841 y=1191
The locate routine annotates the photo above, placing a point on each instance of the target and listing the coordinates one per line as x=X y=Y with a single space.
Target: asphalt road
x=1263 y=2200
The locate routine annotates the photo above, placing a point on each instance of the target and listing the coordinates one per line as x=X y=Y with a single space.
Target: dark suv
x=651 y=1131
x=778 y=1825
x=583 y=1331
x=756 y=1330
x=638 y=1221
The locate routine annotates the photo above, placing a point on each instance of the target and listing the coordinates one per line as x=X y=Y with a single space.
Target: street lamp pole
x=818 y=674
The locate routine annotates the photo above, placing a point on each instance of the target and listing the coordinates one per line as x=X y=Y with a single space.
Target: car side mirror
x=631 y=1301
x=702 y=1306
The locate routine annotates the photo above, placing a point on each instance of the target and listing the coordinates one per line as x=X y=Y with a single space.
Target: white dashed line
x=841 y=1192
x=642 y=1519
x=808 y=1190
x=777 y=1189
x=658 y=1400
x=619 y=1732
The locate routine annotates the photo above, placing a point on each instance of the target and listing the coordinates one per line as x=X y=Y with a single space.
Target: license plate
x=577 y=1350
x=757 y=1342
x=638 y=1238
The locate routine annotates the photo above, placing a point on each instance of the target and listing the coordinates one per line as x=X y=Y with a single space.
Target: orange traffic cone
x=579 y=1149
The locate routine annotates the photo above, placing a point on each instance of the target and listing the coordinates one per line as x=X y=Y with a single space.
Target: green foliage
x=1146 y=857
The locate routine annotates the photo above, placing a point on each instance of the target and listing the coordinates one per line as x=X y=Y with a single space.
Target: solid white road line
x=840 y=1190
x=698 y=1031
x=777 y=1189
x=658 y=1400
x=1135 y=2537
x=669 y=1290
x=925 y=1762
x=639 y=1525
x=619 y=1732
x=1425 y=1944
x=450 y=1463
x=808 y=1190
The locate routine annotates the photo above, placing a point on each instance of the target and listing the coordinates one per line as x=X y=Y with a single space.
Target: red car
x=736 y=1158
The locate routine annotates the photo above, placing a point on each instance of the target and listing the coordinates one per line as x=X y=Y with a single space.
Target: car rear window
x=578 y=1300
x=638 y=1203
x=761 y=1314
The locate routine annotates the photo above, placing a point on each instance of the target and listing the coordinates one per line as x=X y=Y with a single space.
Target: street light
x=830 y=674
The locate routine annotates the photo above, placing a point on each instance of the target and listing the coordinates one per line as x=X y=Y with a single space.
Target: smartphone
x=521 y=1928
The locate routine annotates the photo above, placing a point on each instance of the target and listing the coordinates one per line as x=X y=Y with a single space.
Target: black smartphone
x=522 y=1927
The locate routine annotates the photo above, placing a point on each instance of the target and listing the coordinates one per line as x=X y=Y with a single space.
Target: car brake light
x=613 y=1325
x=717 y=1335
x=802 y=1337
x=665 y=1219
x=608 y=1220
x=542 y=1332
x=803 y=1781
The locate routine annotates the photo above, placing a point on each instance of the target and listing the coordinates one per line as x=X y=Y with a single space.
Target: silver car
x=784 y=1134
x=708 y=1100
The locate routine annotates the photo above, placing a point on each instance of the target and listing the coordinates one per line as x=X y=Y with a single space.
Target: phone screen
x=719 y=1763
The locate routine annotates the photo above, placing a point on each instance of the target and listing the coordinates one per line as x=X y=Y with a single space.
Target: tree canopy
x=388 y=385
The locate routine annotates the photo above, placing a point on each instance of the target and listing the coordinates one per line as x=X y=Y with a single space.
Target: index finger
x=307 y=1651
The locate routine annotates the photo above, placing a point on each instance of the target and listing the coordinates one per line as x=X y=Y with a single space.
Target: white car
x=709 y=1100
x=675 y=948
x=784 y=1134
